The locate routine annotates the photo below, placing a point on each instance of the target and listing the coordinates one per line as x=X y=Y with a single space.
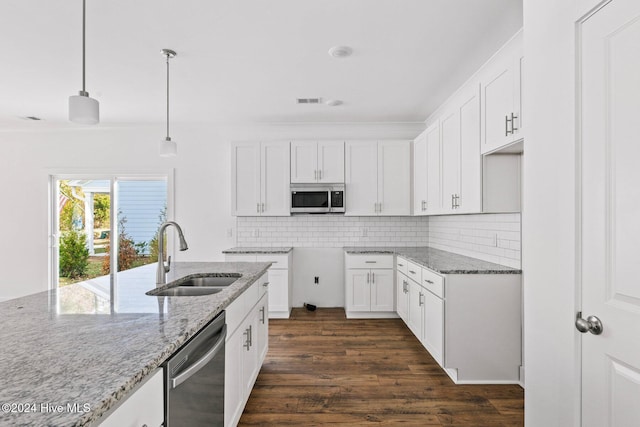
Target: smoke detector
x=340 y=51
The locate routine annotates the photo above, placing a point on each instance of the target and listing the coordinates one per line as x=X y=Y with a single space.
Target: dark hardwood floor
x=323 y=369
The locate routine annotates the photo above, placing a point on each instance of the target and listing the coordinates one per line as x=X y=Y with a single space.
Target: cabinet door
x=497 y=104
x=470 y=189
x=416 y=298
x=358 y=289
x=420 y=173
x=144 y=407
x=304 y=161
x=402 y=296
x=331 y=161
x=250 y=365
x=361 y=178
x=519 y=100
x=450 y=136
x=262 y=336
x=434 y=188
x=382 y=290
x=278 y=290
x=233 y=384
x=394 y=178
x=245 y=178
x=433 y=327
x=276 y=197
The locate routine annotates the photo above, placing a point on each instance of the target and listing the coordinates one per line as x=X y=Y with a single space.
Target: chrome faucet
x=161 y=275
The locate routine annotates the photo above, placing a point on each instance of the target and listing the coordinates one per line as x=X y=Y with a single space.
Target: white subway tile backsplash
x=491 y=237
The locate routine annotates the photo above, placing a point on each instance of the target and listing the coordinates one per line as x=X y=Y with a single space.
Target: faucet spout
x=161 y=273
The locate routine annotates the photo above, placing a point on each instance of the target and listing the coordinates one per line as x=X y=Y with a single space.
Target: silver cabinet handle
x=380 y=207
x=421 y=299
x=320 y=174
x=258 y=207
x=428 y=281
x=424 y=203
x=453 y=205
x=592 y=324
x=263 y=207
x=368 y=275
x=404 y=286
x=250 y=335
x=506 y=125
x=412 y=272
x=315 y=175
x=262 y=315
x=401 y=265
x=373 y=277
x=513 y=123
x=246 y=341
x=265 y=284
x=370 y=262
x=176 y=381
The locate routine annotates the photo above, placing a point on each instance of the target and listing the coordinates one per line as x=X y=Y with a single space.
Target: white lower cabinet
x=145 y=406
x=470 y=323
x=369 y=286
x=402 y=296
x=280 y=280
x=245 y=348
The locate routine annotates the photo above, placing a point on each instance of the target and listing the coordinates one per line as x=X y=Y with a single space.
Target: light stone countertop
x=438 y=260
x=256 y=250
x=76 y=345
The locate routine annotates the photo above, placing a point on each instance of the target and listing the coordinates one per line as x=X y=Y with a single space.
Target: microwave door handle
x=176 y=381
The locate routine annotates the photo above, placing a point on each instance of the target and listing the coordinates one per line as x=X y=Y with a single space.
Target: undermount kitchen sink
x=196 y=286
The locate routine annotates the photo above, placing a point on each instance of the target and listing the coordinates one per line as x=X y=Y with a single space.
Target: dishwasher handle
x=179 y=379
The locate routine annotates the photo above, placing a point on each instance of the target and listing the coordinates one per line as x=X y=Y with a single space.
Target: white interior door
x=610 y=212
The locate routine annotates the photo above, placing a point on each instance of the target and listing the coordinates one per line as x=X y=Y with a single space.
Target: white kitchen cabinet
x=416 y=310
x=245 y=348
x=378 y=177
x=369 y=286
x=502 y=119
x=420 y=172
x=461 y=159
x=402 y=296
x=434 y=168
x=317 y=161
x=260 y=179
x=262 y=312
x=433 y=325
x=144 y=406
x=280 y=280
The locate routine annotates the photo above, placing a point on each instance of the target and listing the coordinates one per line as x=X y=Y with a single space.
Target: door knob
x=592 y=324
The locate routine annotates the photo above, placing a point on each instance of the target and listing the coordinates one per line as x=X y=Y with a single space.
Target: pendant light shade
x=82 y=108
x=168 y=148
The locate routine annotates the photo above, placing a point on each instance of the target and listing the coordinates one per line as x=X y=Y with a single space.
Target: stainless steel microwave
x=317 y=198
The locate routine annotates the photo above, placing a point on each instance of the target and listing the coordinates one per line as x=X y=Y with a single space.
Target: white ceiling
x=245 y=60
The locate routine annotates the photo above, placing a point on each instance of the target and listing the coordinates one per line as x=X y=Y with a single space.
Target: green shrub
x=74 y=255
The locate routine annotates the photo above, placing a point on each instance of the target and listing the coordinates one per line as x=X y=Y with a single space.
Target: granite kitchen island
x=89 y=345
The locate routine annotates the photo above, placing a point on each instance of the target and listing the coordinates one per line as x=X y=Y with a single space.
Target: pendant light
x=168 y=148
x=82 y=108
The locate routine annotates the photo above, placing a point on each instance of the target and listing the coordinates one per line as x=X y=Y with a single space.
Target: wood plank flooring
x=323 y=369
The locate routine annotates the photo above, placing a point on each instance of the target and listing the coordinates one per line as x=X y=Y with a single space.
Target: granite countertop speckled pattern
x=74 y=345
x=283 y=250
x=438 y=260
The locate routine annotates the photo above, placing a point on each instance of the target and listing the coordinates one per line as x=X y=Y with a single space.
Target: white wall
x=202 y=181
x=548 y=218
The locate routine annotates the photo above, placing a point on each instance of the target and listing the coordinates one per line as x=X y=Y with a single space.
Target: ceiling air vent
x=309 y=100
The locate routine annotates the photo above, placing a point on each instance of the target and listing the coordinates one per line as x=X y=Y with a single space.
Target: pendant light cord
x=83 y=44
x=168 y=139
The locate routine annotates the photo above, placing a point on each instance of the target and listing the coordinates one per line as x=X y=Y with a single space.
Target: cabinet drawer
x=280 y=261
x=433 y=282
x=239 y=258
x=402 y=265
x=414 y=271
x=369 y=261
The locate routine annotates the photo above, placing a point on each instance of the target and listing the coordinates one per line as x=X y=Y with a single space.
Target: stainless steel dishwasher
x=194 y=379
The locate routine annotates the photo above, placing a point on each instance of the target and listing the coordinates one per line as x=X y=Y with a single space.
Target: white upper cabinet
x=434 y=180
x=260 y=178
x=378 y=178
x=502 y=118
x=313 y=162
x=361 y=178
x=394 y=178
x=461 y=159
x=420 y=174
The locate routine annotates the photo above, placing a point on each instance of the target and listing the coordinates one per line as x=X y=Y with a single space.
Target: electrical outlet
x=316 y=280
